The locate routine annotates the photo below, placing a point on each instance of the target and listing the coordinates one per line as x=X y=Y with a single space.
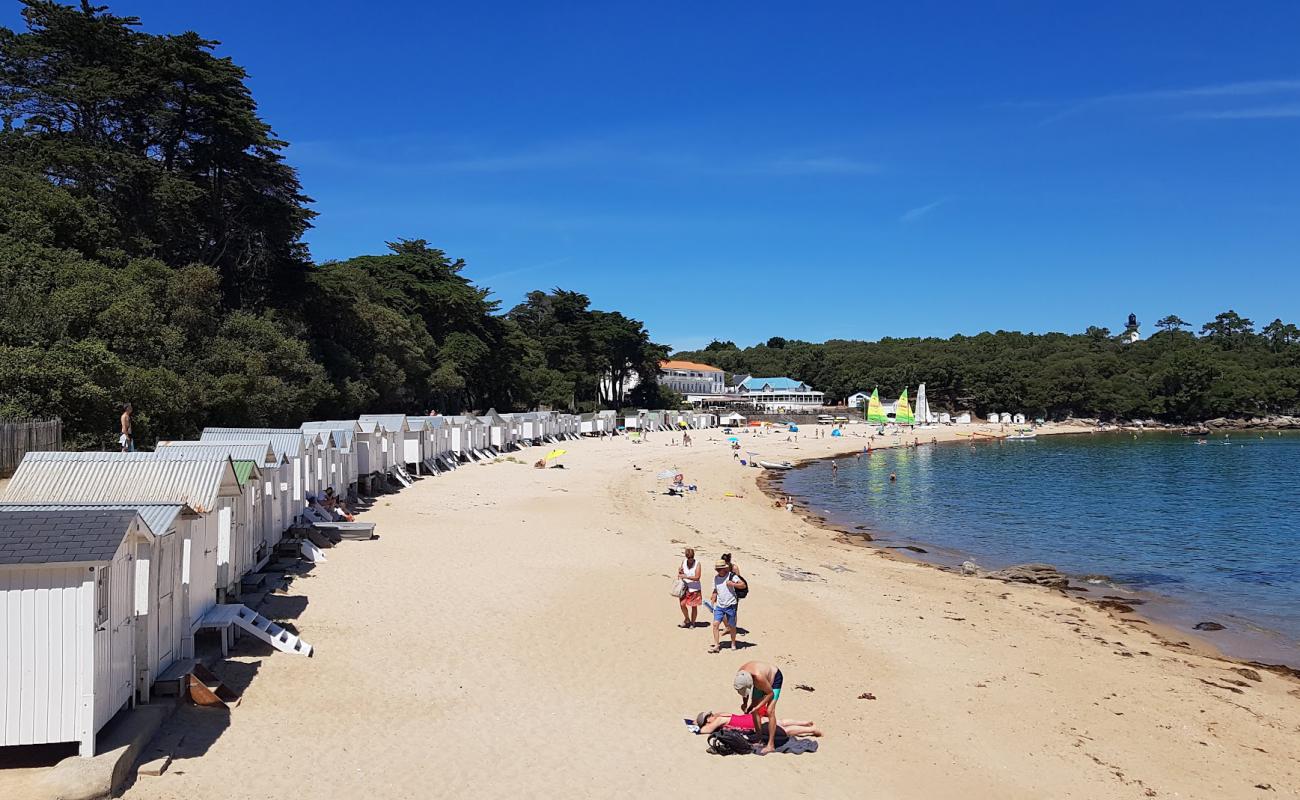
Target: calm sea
x=1208 y=532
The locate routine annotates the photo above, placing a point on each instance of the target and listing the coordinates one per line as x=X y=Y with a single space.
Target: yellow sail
x=903 y=414
x=875 y=411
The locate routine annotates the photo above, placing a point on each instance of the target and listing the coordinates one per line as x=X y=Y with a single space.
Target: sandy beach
x=511 y=634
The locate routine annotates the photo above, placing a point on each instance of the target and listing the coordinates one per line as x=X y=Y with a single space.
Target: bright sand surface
x=511 y=634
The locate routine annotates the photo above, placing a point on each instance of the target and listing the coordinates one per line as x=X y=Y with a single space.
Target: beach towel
x=784 y=743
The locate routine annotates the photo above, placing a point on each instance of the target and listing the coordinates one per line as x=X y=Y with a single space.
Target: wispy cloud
x=407 y=158
x=510 y=273
x=1264 y=112
x=1163 y=99
x=913 y=214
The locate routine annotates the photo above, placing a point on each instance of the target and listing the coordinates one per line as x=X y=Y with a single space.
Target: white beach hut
x=963 y=418
x=159 y=588
x=345 y=433
x=289 y=444
x=501 y=434
x=209 y=487
x=1005 y=418
x=370 y=449
x=992 y=417
x=403 y=442
x=67 y=580
x=1018 y=419
x=258 y=469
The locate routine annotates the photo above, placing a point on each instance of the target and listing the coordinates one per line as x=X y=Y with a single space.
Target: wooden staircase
x=223 y=616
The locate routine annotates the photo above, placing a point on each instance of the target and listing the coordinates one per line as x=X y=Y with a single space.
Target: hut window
x=101 y=597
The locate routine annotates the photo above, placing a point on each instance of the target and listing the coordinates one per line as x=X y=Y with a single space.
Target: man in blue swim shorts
x=724 y=600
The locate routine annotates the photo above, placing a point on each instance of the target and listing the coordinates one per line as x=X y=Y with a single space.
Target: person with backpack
x=724 y=599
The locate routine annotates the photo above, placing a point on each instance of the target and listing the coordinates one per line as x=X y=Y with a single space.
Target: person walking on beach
x=725 y=602
x=127 y=437
x=689 y=572
x=759 y=686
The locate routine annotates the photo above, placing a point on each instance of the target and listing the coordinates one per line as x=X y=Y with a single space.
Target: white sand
x=512 y=635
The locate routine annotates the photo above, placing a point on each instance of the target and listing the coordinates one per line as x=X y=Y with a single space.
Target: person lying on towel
x=708 y=722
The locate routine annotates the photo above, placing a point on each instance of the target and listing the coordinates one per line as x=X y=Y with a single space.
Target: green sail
x=875 y=411
x=903 y=414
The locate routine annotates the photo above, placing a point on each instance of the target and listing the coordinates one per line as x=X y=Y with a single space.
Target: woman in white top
x=689 y=571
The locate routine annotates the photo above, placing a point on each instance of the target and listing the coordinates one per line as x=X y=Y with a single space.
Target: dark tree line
x=1229 y=369
x=151 y=250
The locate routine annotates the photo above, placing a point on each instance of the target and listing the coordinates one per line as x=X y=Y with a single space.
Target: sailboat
x=875 y=411
x=903 y=412
x=923 y=416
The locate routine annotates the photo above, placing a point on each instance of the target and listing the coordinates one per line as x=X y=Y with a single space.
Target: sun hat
x=722 y=565
x=744 y=684
x=702 y=718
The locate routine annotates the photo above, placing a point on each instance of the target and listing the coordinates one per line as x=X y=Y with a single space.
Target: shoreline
x=1131 y=609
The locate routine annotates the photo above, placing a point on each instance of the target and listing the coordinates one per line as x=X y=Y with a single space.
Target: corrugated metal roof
x=432 y=422
x=344 y=430
x=259 y=452
x=126 y=478
x=159 y=517
x=285 y=441
x=393 y=422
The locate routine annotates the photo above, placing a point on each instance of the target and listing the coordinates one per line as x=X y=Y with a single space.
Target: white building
x=688 y=377
x=779 y=395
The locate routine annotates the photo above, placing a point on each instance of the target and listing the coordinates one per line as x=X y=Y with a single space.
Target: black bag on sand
x=727 y=742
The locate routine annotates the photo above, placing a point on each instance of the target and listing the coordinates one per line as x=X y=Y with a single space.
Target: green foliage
x=1174 y=375
x=151 y=251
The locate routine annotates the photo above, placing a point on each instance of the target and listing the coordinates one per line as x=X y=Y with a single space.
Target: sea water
x=1211 y=531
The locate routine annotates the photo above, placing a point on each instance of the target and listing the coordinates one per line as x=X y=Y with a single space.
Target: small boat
x=776 y=465
x=1022 y=436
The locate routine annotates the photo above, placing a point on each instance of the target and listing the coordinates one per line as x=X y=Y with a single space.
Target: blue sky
x=1039 y=166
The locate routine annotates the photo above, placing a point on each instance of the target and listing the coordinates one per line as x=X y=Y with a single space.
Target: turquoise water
x=1210 y=530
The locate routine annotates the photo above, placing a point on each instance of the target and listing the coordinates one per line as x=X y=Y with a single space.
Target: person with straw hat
x=725 y=601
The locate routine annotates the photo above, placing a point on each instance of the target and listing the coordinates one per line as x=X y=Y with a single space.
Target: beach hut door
x=166 y=597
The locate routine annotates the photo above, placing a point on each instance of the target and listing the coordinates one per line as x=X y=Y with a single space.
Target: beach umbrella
x=555 y=454
x=794 y=428
x=733 y=439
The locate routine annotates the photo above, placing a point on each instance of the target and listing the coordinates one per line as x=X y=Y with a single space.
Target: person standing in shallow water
x=689 y=571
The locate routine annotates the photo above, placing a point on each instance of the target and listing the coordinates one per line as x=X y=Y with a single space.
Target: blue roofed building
x=778 y=395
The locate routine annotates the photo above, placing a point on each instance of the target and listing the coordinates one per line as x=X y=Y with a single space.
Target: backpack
x=742 y=592
x=728 y=742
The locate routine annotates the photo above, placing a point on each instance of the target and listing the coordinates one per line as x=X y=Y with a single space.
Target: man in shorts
x=759 y=686
x=724 y=600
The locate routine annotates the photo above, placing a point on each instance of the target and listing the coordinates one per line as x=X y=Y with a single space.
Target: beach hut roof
x=157 y=516
x=63 y=537
x=82 y=536
x=431 y=422
x=126 y=478
x=257 y=452
x=343 y=430
x=394 y=423
x=285 y=441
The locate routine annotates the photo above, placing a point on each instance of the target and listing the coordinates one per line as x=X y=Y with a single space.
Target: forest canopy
x=151 y=251
x=1229 y=369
